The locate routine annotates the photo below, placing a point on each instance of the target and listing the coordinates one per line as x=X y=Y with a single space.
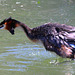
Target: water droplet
x=21 y=6
x=14 y=9
x=10 y=12
x=39 y=6
x=35 y=2
x=18 y=2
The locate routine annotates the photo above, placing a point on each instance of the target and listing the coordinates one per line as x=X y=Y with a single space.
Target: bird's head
x=9 y=24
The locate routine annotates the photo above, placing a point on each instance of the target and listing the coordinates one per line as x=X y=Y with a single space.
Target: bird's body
x=58 y=38
x=55 y=37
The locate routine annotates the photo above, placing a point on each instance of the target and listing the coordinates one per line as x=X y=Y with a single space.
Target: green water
x=20 y=56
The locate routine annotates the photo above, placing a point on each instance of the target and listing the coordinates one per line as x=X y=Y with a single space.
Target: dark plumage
x=58 y=38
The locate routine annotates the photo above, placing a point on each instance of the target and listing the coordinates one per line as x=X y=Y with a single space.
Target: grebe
x=58 y=38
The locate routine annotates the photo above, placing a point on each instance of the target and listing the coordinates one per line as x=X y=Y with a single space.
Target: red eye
x=5 y=23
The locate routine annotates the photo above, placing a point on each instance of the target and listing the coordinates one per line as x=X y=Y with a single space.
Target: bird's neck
x=27 y=30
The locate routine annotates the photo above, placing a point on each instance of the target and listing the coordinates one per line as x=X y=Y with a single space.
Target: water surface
x=20 y=56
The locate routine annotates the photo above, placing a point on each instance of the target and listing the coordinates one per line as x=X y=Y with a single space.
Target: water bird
x=58 y=38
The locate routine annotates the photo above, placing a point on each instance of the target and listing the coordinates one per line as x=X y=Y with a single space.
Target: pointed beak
x=2 y=26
